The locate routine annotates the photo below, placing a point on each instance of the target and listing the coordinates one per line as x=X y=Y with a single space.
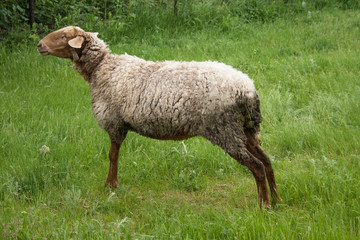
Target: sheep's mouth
x=43 y=52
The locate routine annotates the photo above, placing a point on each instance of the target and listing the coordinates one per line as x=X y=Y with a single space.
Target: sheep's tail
x=252 y=117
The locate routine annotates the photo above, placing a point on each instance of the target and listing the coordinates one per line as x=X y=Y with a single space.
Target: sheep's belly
x=164 y=128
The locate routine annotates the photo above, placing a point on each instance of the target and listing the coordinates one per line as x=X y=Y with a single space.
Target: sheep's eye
x=63 y=37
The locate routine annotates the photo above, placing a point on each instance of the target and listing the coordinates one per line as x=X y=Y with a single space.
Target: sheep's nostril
x=39 y=45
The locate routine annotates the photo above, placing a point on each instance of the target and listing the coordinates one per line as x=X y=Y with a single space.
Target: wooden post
x=31 y=13
x=126 y=8
x=175 y=7
x=105 y=11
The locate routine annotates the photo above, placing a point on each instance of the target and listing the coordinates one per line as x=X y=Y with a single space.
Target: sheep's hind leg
x=256 y=151
x=112 y=179
x=258 y=170
x=235 y=147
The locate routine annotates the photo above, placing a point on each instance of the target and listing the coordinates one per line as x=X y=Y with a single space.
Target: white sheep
x=168 y=100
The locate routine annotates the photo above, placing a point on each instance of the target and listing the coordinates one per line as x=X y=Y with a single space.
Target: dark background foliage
x=133 y=17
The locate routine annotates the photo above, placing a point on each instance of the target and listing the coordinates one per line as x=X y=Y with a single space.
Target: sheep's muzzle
x=42 y=49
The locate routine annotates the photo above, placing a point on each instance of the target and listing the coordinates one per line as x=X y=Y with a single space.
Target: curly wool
x=167 y=100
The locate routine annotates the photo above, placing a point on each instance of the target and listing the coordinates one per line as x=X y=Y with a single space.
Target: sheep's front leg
x=112 y=179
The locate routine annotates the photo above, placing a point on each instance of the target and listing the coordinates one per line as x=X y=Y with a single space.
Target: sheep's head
x=64 y=42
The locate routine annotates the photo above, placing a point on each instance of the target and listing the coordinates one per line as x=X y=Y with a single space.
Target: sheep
x=168 y=100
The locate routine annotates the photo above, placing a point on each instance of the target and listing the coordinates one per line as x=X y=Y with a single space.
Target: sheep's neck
x=89 y=58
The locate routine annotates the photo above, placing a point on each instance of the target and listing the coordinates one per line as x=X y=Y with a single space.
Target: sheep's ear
x=76 y=42
x=93 y=34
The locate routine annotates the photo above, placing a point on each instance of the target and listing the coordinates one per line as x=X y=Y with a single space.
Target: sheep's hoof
x=267 y=206
x=275 y=197
x=111 y=184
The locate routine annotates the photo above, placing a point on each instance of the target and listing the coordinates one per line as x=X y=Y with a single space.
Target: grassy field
x=307 y=74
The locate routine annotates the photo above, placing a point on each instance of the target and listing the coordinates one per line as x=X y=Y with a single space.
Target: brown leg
x=112 y=179
x=258 y=170
x=230 y=139
x=257 y=152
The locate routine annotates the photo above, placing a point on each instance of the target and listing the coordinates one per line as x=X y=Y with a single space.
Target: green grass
x=307 y=75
